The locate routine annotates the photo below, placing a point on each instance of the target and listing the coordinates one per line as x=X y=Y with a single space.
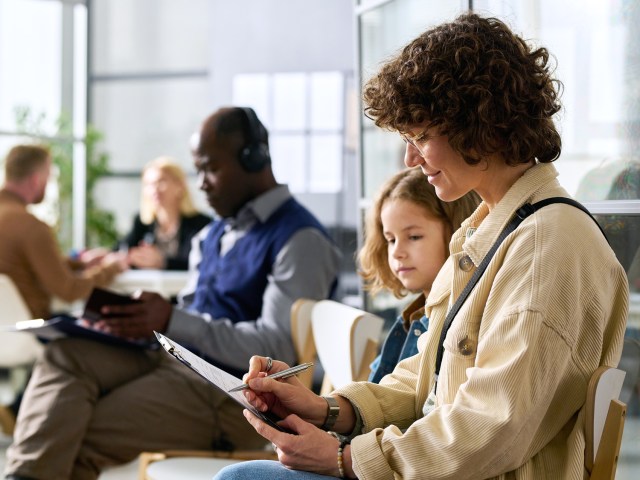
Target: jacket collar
x=411 y=312
x=479 y=232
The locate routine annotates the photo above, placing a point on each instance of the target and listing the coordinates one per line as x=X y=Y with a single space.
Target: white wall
x=249 y=36
x=274 y=36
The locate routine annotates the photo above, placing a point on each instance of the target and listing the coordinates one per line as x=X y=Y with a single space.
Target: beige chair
x=302 y=336
x=604 y=423
x=18 y=350
x=203 y=464
x=346 y=339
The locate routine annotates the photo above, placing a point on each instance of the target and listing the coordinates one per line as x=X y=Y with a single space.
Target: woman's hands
x=302 y=411
x=146 y=256
x=312 y=449
x=282 y=396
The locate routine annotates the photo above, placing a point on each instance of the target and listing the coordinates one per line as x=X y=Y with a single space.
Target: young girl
x=406 y=243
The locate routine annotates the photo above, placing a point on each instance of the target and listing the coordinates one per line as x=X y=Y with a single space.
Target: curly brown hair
x=476 y=82
x=410 y=185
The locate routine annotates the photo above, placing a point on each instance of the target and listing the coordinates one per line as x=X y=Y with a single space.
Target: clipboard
x=62 y=326
x=220 y=379
x=100 y=297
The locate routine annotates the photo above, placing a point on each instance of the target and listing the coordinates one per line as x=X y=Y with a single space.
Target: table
x=165 y=282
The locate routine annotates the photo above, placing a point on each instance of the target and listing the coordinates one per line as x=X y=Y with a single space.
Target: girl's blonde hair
x=411 y=185
x=170 y=167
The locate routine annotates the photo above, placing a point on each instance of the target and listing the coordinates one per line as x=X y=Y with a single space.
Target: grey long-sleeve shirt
x=305 y=267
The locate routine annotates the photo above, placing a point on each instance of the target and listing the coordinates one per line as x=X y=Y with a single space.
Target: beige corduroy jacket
x=550 y=308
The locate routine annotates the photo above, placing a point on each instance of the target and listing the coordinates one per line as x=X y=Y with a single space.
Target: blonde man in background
x=29 y=252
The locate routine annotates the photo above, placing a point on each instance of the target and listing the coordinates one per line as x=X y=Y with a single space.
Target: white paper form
x=216 y=376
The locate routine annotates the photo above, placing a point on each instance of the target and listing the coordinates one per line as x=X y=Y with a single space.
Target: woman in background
x=162 y=232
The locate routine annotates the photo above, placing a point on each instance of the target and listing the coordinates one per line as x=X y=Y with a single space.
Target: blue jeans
x=264 y=470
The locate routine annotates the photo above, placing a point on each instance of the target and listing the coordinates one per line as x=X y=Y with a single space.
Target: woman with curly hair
x=497 y=390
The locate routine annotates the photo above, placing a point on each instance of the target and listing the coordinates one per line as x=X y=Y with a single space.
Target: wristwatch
x=333 y=410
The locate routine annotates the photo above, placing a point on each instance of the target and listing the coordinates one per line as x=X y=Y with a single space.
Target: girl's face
x=162 y=189
x=416 y=243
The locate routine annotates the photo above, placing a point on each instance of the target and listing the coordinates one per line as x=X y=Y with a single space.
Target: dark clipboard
x=220 y=379
x=99 y=298
x=62 y=326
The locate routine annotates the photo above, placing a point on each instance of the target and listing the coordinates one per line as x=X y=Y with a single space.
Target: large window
x=304 y=113
x=596 y=49
x=42 y=79
x=148 y=90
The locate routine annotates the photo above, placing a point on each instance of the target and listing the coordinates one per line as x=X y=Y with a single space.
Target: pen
x=289 y=372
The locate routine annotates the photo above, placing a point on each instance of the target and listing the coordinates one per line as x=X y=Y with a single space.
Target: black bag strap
x=523 y=212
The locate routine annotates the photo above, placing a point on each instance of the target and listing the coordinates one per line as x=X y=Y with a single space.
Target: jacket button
x=465 y=346
x=417 y=332
x=465 y=263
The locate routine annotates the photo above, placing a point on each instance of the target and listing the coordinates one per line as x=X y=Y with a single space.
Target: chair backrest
x=604 y=422
x=346 y=339
x=12 y=306
x=302 y=335
x=16 y=348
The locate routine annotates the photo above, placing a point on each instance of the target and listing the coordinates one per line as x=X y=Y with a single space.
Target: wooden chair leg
x=606 y=462
x=368 y=356
x=7 y=420
x=145 y=459
x=326 y=387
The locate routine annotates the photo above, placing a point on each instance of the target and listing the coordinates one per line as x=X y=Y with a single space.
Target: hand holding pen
x=289 y=372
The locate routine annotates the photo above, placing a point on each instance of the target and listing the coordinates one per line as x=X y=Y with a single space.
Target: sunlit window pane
x=327 y=100
x=289 y=101
x=309 y=103
x=288 y=153
x=252 y=90
x=30 y=59
x=326 y=163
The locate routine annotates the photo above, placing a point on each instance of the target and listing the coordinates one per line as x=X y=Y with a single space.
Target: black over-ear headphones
x=255 y=155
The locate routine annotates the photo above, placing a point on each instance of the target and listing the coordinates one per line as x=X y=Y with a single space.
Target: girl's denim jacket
x=402 y=340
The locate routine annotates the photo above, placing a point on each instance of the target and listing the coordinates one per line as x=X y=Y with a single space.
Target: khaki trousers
x=90 y=405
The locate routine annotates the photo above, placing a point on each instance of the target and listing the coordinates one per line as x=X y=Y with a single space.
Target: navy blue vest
x=232 y=286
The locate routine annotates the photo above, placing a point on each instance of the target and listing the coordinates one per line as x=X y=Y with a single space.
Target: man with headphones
x=90 y=405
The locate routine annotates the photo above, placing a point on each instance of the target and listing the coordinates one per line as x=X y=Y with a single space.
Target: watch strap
x=333 y=410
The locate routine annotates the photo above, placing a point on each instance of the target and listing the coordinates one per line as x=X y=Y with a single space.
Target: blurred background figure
x=162 y=231
x=29 y=252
